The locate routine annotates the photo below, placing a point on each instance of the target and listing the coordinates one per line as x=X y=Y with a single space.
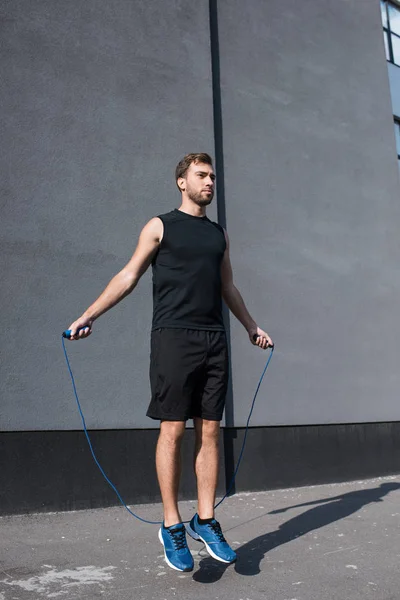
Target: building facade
x=296 y=103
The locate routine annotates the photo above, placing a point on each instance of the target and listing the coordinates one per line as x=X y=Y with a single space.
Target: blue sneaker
x=176 y=551
x=213 y=538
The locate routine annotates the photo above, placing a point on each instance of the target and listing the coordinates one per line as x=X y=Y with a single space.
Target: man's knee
x=207 y=431
x=172 y=431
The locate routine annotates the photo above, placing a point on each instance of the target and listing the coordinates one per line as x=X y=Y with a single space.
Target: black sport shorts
x=189 y=372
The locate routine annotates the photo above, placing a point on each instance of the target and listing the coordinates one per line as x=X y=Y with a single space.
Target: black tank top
x=187 y=273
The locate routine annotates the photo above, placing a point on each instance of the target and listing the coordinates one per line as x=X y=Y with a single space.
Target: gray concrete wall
x=101 y=100
x=313 y=208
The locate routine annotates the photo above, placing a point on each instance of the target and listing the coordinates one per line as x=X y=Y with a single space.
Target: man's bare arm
x=236 y=305
x=124 y=282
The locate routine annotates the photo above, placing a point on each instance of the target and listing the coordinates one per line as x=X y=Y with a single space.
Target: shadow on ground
x=329 y=510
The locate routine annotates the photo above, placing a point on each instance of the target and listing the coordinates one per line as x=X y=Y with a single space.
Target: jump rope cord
x=110 y=482
x=245 y=433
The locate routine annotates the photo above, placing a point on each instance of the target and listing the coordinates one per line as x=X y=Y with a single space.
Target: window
x=391 y=31
x=397 y=135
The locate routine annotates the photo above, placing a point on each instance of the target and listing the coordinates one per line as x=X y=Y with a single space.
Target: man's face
x=199 y=183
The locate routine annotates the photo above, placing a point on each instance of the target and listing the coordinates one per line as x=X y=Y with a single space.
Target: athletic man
x=189 y=255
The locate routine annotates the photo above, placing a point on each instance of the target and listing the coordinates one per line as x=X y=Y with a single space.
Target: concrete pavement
x=333 y=542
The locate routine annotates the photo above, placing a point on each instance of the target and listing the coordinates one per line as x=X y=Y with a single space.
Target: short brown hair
x=184 y=164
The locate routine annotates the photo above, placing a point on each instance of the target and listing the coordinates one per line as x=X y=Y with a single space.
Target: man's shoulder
x=218 y=226
x=168 y=216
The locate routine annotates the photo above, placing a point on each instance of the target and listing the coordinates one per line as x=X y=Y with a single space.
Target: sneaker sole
x=169 y=563
x=198 y=537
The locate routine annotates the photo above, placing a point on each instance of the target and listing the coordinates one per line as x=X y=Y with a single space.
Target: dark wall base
x=54 y=470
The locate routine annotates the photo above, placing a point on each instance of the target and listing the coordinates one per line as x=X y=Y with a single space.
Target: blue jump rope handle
x=67 y=332
x=255 y=337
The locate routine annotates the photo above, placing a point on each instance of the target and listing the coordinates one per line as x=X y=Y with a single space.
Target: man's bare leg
x=168 y=464
x=202 y=526
x=206 y=460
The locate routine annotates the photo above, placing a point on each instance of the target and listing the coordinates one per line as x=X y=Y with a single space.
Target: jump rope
x=66 y=334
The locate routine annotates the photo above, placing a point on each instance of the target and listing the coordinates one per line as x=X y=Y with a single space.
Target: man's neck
x=192 y=209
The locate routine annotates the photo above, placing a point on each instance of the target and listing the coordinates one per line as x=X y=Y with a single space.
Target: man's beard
x=198 y=198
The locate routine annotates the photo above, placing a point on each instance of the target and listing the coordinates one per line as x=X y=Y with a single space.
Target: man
x=189 y=359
